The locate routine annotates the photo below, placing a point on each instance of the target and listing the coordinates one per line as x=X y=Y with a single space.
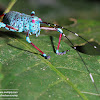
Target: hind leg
x=8 y=27
x=60 y=31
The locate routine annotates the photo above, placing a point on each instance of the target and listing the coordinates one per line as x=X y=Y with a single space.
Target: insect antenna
x=57 y=26
x=92 y=79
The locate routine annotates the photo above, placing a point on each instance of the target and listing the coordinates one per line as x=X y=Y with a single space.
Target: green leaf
x=62 y=77
x=1 y=75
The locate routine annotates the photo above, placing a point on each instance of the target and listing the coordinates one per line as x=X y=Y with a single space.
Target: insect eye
x=33 y=21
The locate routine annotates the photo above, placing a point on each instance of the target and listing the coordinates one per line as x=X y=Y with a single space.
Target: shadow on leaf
x=21 y=49
x=51 y=38
x=88 y=49
x=8 y=34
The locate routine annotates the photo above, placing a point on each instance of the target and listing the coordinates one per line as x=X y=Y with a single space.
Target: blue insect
x=30 y=24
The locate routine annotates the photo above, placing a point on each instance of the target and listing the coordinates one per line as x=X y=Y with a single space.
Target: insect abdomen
x=16 y=20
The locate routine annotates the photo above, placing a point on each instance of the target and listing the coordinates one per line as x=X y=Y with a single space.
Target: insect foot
x=45 y=56
x=60 y=53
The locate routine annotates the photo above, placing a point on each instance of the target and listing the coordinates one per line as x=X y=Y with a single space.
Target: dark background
x=54 y=9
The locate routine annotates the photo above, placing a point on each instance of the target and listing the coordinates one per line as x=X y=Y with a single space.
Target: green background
x=23 y=68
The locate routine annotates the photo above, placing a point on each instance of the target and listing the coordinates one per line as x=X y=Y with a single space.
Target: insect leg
x=57 y=51
x=92 y=79
x=28 y=40
x=55 y=26
x=11 y=28
x=7 y=27
x=60 y=36
x=60 y=31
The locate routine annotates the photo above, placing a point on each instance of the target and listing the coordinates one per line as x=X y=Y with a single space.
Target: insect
x=30 y=24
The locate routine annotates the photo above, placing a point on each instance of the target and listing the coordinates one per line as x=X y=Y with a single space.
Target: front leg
x=28 y=40
x=60 y=31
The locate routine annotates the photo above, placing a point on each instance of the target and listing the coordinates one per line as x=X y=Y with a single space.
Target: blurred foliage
x=36 y=78
x=11 y=4
x=52 y=9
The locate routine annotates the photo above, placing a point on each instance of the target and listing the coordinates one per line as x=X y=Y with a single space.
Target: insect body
x=22 y=22
x=30 y=24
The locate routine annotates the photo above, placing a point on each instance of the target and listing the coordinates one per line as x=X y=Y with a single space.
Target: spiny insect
x=30 y=24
